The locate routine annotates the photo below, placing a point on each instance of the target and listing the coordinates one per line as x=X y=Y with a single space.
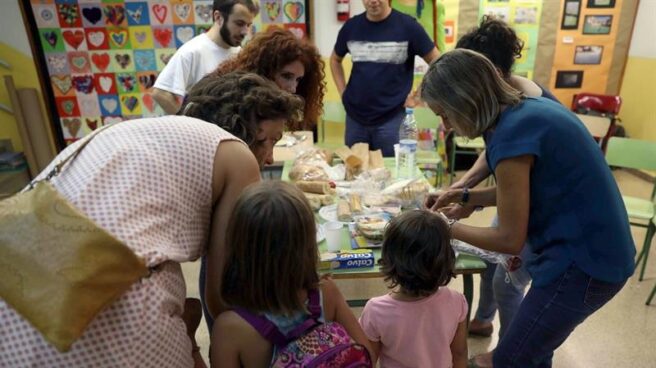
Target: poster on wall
x=99 y=59
x=524 y=17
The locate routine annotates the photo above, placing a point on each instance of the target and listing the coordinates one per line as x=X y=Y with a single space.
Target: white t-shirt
x=193 y=60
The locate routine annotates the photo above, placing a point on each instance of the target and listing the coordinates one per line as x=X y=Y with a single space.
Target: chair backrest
x=334 y=111
x=605 y=104
x=597 y=125
x=631 y=153
x=426 y=119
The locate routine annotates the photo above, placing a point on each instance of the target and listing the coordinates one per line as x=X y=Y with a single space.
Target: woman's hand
x=457 y=211
x=440 y=199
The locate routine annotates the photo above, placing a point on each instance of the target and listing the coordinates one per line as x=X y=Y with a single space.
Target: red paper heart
x=148 y=102
x=74 y=38
x=160 y=12
x=163 y=36
x=101 y=60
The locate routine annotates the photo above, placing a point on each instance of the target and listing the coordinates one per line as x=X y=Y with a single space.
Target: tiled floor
x=621 y=334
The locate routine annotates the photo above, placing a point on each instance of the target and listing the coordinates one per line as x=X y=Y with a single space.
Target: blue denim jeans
x=498 y=292
x=548 y=315
x=382 y=136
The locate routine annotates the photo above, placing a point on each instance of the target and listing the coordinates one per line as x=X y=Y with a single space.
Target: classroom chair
x=599 y=105
x=426 y=119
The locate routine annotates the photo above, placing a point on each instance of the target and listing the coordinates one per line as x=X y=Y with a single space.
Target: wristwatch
x=465 y=196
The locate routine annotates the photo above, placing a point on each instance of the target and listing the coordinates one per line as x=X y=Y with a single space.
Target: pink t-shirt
x=418 y=333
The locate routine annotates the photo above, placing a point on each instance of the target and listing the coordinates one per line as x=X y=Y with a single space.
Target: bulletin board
x=98 y=60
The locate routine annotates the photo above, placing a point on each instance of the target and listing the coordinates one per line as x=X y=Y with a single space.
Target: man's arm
x=431 y=56
x=169 y=102
x=337 y=69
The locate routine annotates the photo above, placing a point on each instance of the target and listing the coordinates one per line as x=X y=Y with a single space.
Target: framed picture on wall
x=601 y=3
x=597 y=24
x=571 y=14
x=569 y=78
x=588 y=54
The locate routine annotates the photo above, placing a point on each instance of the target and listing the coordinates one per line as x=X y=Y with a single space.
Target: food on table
x=307 y=172
x=376 y=160
x=371 y=227
x=317 y=187
x=361 y=150
x=319 y=200
x=343 y=211
x=353 y=167
x=355 y=203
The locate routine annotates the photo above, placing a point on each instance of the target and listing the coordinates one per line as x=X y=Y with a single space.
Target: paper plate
x=329 y=213
x=320 y=234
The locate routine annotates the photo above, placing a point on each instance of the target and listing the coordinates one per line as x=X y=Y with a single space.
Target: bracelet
x=465 y=195
x=448 y=221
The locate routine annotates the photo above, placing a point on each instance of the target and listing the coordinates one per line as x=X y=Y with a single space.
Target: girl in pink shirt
x=421 y=322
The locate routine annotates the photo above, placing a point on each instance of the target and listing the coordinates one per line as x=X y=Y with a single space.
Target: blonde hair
x=467 y=87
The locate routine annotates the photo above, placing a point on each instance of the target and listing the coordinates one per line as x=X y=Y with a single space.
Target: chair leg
x=651 y=296
x=644 y=254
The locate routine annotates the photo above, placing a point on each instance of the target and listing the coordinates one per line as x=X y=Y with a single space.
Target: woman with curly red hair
x=295 y=65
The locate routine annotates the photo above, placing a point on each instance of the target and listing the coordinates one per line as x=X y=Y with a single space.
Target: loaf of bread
x=319 y=200
x=361 y=150
x=318 y=187
x=343 y=211
x=307 y=172
x=355 y=204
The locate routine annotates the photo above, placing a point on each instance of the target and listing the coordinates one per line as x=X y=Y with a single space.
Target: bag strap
x=272 y=333
x=60 y=165
x=265 y=327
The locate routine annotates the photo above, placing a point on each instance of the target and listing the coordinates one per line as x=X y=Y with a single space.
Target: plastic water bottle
x=406 y=164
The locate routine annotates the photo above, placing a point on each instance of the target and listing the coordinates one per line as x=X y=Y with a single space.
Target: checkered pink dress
x=149 y=183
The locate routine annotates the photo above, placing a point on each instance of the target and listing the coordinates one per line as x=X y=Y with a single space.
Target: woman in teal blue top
x=554 y=192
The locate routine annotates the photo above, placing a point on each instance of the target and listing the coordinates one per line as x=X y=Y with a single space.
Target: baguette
x=355 y=203
x=343 y=211
x=318 y=200
x=376 y=159
x=318 y=187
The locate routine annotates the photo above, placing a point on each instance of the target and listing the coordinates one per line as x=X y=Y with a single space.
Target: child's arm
x=336 y=309
x=224 y=349
x=459 y=346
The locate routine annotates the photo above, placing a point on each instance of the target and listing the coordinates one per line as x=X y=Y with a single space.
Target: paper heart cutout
x=272 y=10
x=204 y=12
x=57 y=62
x=147 y=81
x=105 y=83
x=119 y=37
x=165 y=57
x=135 y=14
x=122 y=59
x=148 y=102
x=109 y=104
x=112 y=120
x=92 y=123
x=64 y=84
x=160 y=12
x=83 y=83
x=184 y=34
x=51 y=37
x=163 y=36
x=144 y=61
x=127 y=81
x=130 y=102
x=68 y=13
x=79 y=61
x=115 y=14
x=74 y=38
x=96 y=38
x=182 y=11
x=68 y=106
x=73 y=126
x=46 y=15
x=88 y=105
x=100 y=60
x=93 y=15
x=294 y=11
x=140 y=36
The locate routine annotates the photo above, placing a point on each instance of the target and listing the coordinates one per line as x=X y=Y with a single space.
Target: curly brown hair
x=417 y=253
x=239 y=101
x=269 y=51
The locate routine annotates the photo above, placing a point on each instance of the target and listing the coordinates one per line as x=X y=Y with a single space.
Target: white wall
x=326 y=25
x=13 y=33
x=644 y=30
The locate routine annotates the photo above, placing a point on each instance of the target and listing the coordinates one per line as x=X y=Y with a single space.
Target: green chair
x=426 y=119
x=334 y=116
x=465 y=146
x=640 y=155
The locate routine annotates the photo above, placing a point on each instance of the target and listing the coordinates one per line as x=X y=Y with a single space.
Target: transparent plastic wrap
x=313 y=164
x=515 y=273
x=410 y=192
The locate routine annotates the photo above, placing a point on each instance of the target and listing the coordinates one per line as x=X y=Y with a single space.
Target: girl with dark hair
x=421 y=322
x=293 y=64
x=271 y=269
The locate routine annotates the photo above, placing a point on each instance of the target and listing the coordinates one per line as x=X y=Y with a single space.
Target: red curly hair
x=268 y=52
